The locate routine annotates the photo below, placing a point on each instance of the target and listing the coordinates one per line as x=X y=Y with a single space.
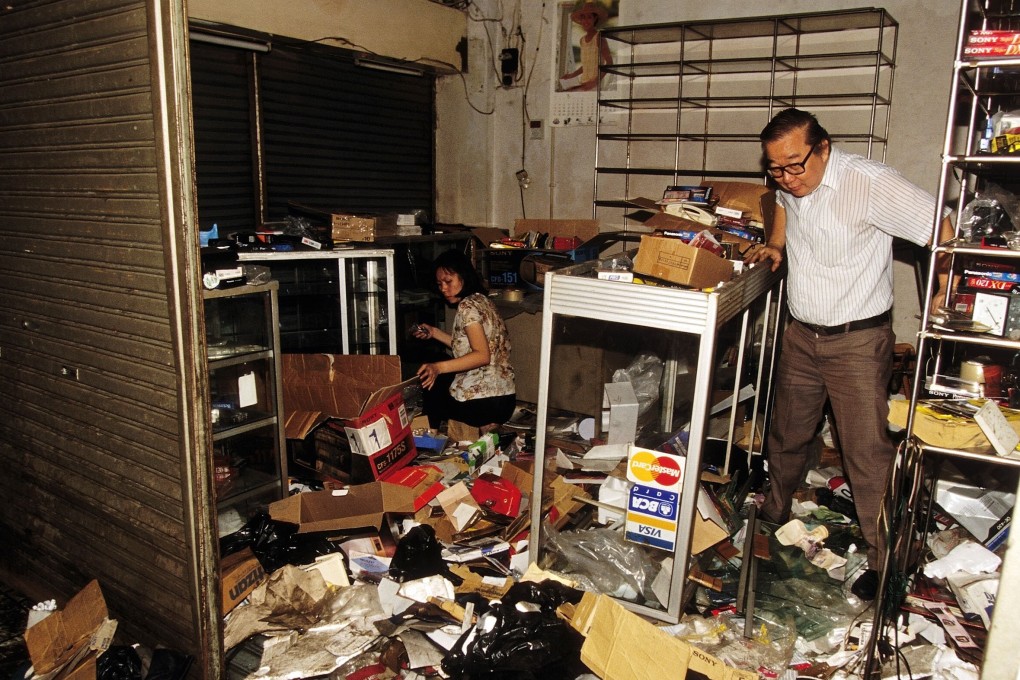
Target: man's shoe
x=866 y=585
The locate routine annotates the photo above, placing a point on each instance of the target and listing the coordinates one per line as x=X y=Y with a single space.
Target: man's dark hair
x=460 y=264
x=789 y=120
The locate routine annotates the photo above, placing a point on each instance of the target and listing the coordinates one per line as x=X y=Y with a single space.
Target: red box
x=424 y=480
x=382 y=435
x=363 y=392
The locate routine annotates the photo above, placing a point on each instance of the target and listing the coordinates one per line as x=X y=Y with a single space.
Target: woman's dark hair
x=789 y=120
x=459 y=263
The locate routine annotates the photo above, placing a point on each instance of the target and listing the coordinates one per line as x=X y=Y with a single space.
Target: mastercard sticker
x=655 y=469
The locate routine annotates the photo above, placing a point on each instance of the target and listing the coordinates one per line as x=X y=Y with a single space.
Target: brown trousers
x=851 y=370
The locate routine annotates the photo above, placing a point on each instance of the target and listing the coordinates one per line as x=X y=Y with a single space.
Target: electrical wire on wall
x=523 y=180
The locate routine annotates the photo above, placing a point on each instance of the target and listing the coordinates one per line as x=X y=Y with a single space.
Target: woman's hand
x=428 y=374
x=422 y=331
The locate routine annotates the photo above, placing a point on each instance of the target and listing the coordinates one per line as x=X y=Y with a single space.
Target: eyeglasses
x=793 y=168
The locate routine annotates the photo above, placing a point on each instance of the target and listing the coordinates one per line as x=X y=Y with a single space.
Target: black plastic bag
x=119 y=662
x=418 y=555
x=276 y=544
x=521 y=643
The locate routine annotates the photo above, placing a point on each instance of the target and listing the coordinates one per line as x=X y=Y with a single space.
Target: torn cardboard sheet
x=68 y=641
x=620 y=645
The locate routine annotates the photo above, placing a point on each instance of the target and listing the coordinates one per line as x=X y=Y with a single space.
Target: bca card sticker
x=655 y=469
x=370 y=438
x=652 y=517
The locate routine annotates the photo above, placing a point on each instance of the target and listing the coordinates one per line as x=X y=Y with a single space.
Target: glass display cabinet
x=243 y=363
x=717 y=350
x=335 y=301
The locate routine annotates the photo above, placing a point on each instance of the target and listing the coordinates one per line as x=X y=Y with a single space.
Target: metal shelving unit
x=243 y=363
x=685 y=102
x=979 y=89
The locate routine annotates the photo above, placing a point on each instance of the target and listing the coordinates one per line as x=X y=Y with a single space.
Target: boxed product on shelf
x=362 y=394
x=347 y=227
x=677 y=262
x=566 y=243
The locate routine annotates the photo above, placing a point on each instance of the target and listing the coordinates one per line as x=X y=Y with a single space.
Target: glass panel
x=309 y=306
x=246 y=463
x=369 y=323
x=235 y=326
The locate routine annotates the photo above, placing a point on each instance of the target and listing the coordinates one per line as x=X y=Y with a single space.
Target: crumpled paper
x=796 y=533
x=314 y=627
x=969 y=557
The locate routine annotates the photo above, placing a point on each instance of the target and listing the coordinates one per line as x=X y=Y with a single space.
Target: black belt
x=859 y=325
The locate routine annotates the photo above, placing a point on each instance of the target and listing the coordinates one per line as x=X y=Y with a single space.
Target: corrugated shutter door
x=223 y=131
x=335 y=134
x=89 y=414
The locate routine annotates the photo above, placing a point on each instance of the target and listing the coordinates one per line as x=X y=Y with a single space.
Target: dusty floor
x=13 y=616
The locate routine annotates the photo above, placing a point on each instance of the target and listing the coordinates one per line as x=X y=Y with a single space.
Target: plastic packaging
x=603 y=559
x=419 y=554
x=645 y=374
x=768 y=650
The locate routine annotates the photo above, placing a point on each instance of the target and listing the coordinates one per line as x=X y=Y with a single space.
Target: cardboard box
x=362 y=506
x=755 y=201
x=363 y=391
x=347 y=227
x=674 y=261
x=620 y=645
x=240 y=573
x=69 y=640
x=424 y=480
x=585 y=230
x=584 y=356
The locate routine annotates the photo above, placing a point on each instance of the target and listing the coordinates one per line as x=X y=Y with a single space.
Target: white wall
x=478 y=153
x=412 y=30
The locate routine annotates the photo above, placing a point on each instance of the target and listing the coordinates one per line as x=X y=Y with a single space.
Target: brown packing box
x=362 y=506
x=756 y=200
x=673 y=260
x=347 y=227
x=240 y=573
x=61 y=639
x=620 y=645
x=354 y=388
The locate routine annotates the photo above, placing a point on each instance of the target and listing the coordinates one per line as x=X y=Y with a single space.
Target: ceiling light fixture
x=213 y=39
x=390 y=68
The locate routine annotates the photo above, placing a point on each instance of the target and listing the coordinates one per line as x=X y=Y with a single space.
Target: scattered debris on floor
x=431 y=571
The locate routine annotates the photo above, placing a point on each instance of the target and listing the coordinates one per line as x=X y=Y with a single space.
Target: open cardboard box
x=68 y=641
x=240 y=573
x=670 y=259
x=362 y=391
x=362 y=506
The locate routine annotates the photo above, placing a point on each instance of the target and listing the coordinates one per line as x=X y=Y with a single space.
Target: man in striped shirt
x=836 y=217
